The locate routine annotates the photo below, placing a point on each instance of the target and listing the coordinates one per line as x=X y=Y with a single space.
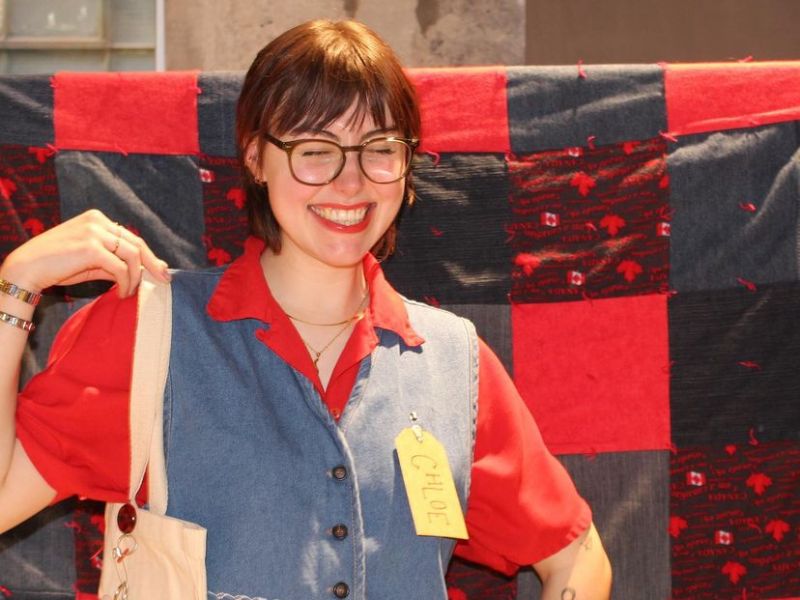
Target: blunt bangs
x=324 y=77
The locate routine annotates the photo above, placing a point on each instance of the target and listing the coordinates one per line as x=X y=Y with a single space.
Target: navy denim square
x=26 y=110
x=493 y=324
x=160 y=196
x=552 y=107
x=216 y=112
x=629 y=496
x=37 y=558
x=451 y=243
x=734 y=364
x=735 y=212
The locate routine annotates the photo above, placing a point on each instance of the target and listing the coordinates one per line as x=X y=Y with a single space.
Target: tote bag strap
x=150 y=366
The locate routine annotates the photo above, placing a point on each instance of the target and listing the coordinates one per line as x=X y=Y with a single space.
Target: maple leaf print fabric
x=735 y=531
x=29 y=194
x=225 y=217
x=589 y=223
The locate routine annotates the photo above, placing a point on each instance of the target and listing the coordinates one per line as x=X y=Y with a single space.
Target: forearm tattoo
x=568 y=594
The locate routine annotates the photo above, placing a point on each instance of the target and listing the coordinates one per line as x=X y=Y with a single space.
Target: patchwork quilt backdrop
x=624 y=237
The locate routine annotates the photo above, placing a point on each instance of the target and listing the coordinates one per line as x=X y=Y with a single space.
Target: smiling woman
x=305 y=83
x=303 y=380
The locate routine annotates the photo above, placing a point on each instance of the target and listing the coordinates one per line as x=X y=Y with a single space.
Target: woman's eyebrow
x=333 y=136
x=387 y=129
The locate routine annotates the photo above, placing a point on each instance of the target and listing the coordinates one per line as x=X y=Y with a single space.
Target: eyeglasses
x=318 y=162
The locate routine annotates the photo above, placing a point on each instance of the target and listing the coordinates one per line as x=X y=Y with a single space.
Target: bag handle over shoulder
x=150 y=367
x=148 y=555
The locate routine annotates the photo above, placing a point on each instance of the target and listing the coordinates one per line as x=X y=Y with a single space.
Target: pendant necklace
x=345 y=325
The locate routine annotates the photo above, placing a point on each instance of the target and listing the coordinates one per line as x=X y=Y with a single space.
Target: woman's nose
x=351 y=175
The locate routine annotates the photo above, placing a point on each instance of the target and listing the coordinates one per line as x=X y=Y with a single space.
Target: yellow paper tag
x=429 y=484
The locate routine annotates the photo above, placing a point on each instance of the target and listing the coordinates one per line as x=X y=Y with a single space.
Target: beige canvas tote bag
x=147 y=555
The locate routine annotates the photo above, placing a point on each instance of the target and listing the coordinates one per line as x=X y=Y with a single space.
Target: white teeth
x=341 y=216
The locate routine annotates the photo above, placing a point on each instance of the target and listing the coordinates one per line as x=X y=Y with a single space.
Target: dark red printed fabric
x=89 y=524
x=223 y=207
x=589 y=223
x=29 y=198
x=467 y=581
x=735 y=521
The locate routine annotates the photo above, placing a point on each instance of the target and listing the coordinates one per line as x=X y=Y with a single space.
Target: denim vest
x=298 y=506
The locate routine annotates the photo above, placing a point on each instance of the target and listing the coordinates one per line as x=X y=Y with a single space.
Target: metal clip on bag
x=146 y=554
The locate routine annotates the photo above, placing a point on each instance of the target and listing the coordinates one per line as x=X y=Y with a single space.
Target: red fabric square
x=709 y=97
x=463 y=110
x=595 y=374
x=149 y=113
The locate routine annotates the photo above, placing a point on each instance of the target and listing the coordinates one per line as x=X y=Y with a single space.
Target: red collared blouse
x=72 y=418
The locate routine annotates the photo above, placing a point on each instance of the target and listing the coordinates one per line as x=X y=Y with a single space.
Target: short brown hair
x=305 y=79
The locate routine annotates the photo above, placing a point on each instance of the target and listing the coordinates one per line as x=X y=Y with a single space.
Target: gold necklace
x=358 y=314
x=346 y=324
x=318 y=353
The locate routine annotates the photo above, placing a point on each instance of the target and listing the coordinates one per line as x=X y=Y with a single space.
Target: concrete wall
x=225 y=35
x=636 y=31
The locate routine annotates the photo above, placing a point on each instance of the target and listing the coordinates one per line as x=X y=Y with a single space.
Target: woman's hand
x=84 y=248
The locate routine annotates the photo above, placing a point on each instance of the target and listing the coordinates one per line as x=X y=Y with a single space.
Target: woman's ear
x=251 y=160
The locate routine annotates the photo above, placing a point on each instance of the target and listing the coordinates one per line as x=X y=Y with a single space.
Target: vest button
x=341 y=590
x=339 y=531
x=339 y=472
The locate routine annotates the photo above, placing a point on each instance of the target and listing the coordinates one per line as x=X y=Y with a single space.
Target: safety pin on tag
x=415 y=427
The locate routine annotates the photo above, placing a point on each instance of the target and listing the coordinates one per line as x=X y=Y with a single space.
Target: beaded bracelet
x=10 y=289
x=17 y=322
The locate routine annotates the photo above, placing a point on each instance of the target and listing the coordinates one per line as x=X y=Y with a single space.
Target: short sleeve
x=72 y=417
x=523 y=506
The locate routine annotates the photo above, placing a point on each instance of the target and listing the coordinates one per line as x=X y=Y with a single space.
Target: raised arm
x=87 y=247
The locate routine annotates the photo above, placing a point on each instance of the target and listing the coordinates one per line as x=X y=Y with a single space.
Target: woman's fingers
x=137 y=255
x=89 y=246
x=132 y=255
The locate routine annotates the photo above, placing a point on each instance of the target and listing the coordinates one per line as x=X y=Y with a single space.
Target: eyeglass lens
x=381 y=160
